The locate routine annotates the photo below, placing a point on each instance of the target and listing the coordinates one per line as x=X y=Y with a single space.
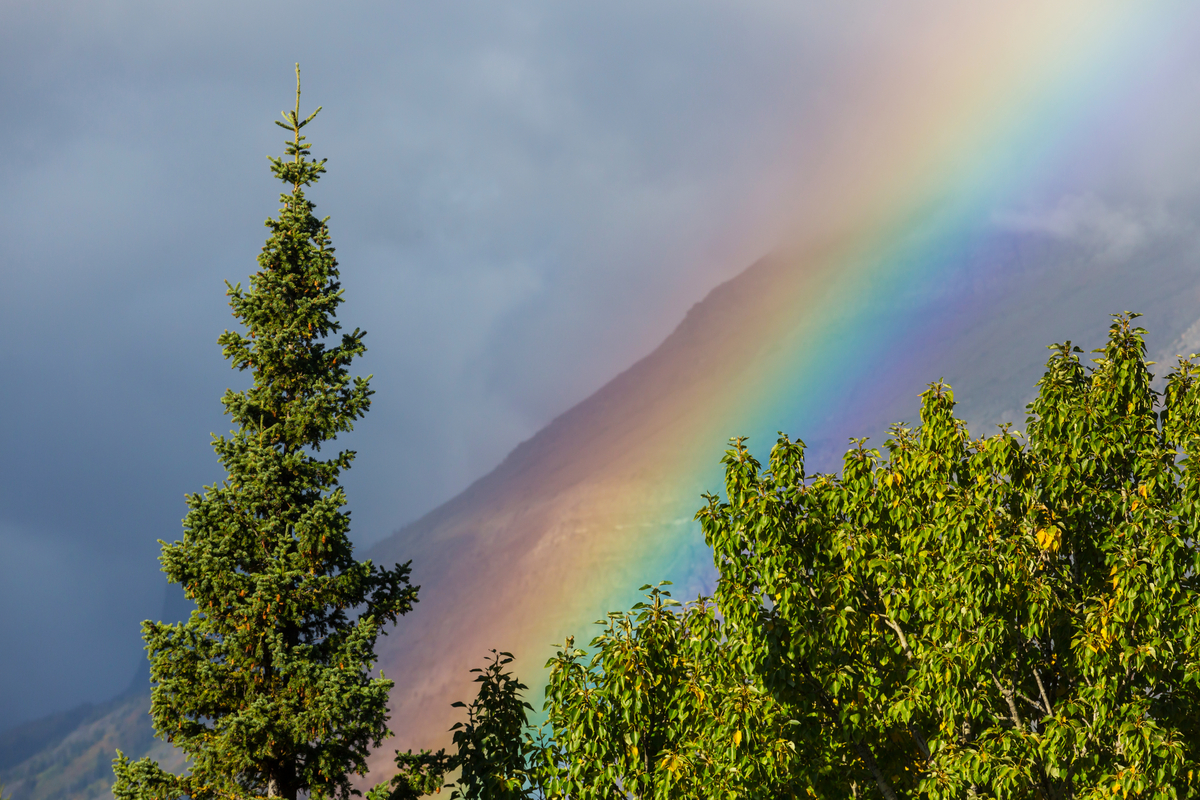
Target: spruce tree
x=267 y=688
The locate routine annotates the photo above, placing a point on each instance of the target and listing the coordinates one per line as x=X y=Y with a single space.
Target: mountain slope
x=533 y=548
x=575 y=519
x=68 y=756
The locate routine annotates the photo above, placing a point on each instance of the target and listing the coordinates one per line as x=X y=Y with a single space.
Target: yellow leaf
x=1049 y=539
x=737 y=738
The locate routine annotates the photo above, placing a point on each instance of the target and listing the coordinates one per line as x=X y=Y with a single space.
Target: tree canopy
x=989 y=617
x=665 y=705
x=267 y=688
x=662 y=704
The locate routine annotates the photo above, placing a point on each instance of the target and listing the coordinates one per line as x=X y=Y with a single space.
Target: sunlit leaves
x=999 y=616
x=663 y=705
x=1004 y=617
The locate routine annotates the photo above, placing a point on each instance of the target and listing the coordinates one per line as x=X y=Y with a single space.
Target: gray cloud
x=1088 y=221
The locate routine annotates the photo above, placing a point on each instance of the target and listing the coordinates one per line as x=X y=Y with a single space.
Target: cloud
x=1186 y=345
x=1113 y=231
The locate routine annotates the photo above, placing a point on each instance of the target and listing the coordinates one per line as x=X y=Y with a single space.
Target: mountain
x=574 y=520
x=68 y=756
x=828 y=342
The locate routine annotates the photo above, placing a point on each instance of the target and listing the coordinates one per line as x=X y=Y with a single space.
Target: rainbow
x=893 y=272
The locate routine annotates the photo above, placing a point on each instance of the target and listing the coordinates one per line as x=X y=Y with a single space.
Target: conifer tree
x=267 y=687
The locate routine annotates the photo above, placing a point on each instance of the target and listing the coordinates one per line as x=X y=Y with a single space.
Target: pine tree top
x=302 y=393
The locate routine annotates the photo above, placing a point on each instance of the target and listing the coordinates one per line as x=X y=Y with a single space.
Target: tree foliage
x=665 y=706
x=267 y=687
x=985 y=617
x=496 y=753
x=661 y=705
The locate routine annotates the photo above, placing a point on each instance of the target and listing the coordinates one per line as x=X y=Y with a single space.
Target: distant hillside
x=68 y=756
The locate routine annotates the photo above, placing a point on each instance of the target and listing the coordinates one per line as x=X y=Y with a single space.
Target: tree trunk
x=864 y=752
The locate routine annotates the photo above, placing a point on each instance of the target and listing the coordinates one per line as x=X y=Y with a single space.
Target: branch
x=1037 y=676
x=864 y=752
x=1037 y=705
x=1045 y=707
x=903 y=639
x=922 y=745
x=1008 y=697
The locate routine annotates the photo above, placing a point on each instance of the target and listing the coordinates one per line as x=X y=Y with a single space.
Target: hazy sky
x=525 y=197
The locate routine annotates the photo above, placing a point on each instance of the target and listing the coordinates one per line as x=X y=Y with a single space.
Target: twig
x=1045 y=699
x=903 y=639
x=1008 y=697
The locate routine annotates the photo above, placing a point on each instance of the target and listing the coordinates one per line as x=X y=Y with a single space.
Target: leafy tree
x=267 y=687
x=664 y=707
x=417 y=775
x=498 y=753
x=986 y=617
x=494 y=746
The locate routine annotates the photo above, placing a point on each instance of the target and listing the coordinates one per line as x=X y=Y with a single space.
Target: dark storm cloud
x=525 y=198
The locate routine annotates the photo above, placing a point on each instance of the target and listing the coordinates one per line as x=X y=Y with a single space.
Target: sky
x=526 y=198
